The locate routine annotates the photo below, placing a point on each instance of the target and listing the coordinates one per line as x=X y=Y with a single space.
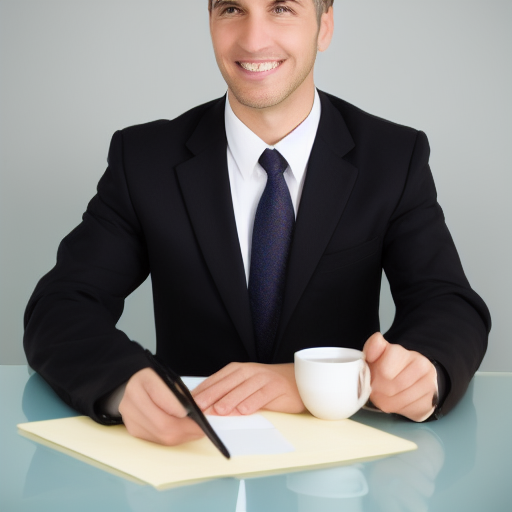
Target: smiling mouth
x=259 y=67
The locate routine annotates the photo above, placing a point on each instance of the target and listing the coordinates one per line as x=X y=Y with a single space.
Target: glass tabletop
x=463 y=463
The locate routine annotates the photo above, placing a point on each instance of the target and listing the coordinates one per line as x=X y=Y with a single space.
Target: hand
x=244 y=388
x=403 y=381
x=151 y=411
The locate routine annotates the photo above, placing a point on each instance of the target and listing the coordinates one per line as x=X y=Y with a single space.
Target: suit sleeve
x=437 y=312
x=70 y=321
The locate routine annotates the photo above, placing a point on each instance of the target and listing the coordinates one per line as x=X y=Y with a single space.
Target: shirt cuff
x=109 y=404
x=443 y=384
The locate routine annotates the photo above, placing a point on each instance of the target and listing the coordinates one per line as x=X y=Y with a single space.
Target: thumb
x=374 y=347
x=160 y=394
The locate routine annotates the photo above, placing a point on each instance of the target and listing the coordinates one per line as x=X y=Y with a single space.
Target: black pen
x=181 y=392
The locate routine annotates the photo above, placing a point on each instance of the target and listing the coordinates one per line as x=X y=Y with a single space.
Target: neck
x=271 y=124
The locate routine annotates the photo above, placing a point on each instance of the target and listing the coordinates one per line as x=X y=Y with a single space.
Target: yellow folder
x=317 y=443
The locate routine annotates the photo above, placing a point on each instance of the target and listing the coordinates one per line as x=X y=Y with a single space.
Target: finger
x=374 y=347
x=273 y=396
x=144 y=419
x=177 y=431
x=139 y=408
x=237 y=395
x=215 y=378
x=136 y=429
x=212 y=394
x=211 y=412
x=390 y=364
x=419 y=410
x=420 y=391
x=139 y=425
x=269 y=398
x=416 y=369
x=160 y=394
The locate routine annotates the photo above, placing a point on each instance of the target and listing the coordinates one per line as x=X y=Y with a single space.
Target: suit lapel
x=204 y=183
x=329 y=182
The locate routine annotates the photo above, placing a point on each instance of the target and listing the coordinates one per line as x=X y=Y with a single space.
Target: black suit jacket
x=164 y=208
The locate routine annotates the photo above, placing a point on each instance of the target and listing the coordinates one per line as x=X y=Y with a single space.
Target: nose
x=256 y=35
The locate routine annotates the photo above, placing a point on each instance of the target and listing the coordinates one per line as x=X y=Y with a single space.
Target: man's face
x=265 y=49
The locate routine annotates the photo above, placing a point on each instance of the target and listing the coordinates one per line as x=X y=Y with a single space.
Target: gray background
x=73 y=72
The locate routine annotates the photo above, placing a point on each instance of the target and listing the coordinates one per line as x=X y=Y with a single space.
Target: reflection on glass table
x=463 y=462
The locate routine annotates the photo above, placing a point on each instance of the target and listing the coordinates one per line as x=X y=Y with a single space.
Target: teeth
x=259 y=66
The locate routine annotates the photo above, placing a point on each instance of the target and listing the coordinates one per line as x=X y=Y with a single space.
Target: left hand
x=403 y=381
x=244 y=388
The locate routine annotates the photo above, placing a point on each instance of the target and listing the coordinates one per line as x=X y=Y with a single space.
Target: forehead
x=218 y=3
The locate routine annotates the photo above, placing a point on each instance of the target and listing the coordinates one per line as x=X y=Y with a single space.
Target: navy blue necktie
x=271 y=240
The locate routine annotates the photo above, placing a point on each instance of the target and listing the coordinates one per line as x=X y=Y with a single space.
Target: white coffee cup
x=333 y=382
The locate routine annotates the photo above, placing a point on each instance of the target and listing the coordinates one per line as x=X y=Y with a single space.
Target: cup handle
x=364 y=388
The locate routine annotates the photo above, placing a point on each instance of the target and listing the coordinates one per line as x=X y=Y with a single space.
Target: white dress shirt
x=248 y=179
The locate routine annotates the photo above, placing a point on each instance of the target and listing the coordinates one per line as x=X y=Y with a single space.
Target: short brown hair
x=321 y=6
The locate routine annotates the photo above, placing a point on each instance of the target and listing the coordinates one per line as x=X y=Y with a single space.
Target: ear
x=326 y=30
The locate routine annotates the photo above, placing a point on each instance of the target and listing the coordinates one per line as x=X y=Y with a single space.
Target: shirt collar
x=246 y=147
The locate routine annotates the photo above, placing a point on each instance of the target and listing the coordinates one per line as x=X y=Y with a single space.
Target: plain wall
x=72 y=72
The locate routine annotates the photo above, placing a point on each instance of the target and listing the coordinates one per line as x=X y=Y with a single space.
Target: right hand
x=150 y=411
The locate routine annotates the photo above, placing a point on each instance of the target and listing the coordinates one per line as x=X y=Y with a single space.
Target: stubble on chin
x=267 y=99
x=257 y=102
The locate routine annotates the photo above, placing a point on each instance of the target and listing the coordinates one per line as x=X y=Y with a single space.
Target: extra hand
x=150 y=411
x=244 y=388
x=403 y=381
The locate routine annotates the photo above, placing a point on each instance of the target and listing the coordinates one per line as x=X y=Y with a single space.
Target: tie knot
x=273 y=162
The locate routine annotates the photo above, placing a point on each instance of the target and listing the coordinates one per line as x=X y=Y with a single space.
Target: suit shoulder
x=180 y=128
x=360 y=121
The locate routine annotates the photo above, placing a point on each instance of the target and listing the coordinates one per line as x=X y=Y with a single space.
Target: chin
x=259 y=101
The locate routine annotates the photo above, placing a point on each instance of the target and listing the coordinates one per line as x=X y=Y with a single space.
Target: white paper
x=245 y=435
x=249 y=435
x=255 y=442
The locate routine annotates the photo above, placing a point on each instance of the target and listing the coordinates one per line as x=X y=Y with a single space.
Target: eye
x=281 y=9
x=231 y=10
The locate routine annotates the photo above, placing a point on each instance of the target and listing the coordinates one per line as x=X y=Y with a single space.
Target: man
x=265 y=219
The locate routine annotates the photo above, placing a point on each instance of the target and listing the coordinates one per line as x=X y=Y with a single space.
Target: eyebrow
x=220 y=3
x=235 y=3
